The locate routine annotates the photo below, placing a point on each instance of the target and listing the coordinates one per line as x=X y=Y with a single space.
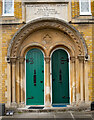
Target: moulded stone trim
x=30 y=46
x=34 y=1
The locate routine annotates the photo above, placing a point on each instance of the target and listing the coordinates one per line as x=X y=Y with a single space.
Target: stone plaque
x=35 y=11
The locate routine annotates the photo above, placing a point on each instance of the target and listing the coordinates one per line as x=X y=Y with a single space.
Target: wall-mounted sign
x=35 y=11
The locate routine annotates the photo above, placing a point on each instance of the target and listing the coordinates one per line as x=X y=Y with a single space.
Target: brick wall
x=76 y=10
x=93 y=62
x=86 y=31
x=18 y=9
x=7 y=32
x=0 y=63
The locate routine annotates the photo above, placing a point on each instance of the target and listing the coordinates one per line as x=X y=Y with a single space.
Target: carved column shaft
x=86 y=82
x=9 y=84
x=73 y=82
x=81 y=62
x=13 y=60
x=21 y=79
x=77 y=81
x=47 y=83
x=18 y=81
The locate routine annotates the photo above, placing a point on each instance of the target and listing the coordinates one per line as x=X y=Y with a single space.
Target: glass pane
x=84 y=6
x=8 y=7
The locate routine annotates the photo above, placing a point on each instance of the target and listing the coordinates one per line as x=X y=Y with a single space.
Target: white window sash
x=8 y=14
x=85 y=13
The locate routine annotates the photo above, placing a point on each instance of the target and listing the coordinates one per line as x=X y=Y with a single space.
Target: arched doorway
x=47 y=35
x=60 y=77
x=34 y=77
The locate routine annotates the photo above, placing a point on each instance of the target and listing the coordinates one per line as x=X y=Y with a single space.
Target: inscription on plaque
x=35 y=11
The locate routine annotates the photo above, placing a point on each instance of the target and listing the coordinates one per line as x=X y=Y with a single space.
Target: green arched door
x=60 y=78
x=34 y=77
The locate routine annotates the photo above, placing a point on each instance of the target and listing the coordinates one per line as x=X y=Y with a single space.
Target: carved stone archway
x=47 y=35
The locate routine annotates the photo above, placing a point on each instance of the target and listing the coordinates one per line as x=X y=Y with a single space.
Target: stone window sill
x=83 y=19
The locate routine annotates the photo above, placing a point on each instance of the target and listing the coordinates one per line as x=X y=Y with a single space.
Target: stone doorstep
x=55 y=109
x=83 y=107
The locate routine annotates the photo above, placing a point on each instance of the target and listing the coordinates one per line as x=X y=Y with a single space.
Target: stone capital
x=13 y=60
x=72 y=59
x=21 y=59
x=81 y=58
x=47 y=60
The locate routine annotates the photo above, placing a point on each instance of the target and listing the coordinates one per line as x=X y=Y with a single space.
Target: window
x=85 y=7
x=8 y=7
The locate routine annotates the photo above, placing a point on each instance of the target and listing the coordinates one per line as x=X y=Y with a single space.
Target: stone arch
x=69 y=49
x=40 y=24
x=24 y=50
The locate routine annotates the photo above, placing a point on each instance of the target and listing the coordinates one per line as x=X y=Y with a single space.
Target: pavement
x=69 y=115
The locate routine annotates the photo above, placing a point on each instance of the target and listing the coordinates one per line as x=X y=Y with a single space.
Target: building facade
x=46 y=52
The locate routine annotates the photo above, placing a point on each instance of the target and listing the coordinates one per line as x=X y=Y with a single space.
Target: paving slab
x=52 y=116
x=46 y=119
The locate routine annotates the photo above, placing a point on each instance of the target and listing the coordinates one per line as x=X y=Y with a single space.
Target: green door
x=34 y=77
x=60 y=77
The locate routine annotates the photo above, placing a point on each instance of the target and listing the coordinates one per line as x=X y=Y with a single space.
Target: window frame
x=8 y=14
x=85 y=13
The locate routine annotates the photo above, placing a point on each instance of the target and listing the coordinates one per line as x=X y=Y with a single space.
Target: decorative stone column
x=18 y=81
x=21 y=60
x=73 y=82
x=47 y=83
x=13 y=61
x=81 y=62
x=86 y=82
x=78 y=96
x=9 y=84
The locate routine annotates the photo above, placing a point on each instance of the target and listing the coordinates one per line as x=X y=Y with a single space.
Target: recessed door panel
x=34 y=77
x=60 y=77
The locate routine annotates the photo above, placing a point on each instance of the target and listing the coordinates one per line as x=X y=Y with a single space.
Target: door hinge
x=65 y=97
x=30 y=98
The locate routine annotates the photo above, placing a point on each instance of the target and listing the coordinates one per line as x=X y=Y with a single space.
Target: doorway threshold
x=59 y=105
x=43 y=109
x=36 y=107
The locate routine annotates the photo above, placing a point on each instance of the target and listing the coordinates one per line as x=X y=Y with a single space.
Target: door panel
x=60 y=77
x=34 y=77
